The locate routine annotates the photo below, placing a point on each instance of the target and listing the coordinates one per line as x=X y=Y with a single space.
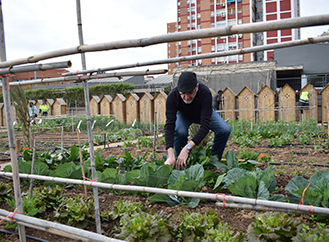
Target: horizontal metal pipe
x=88 y=77
x=179 y=36
x=57 y=228
x=208 y=55
x=36 y=67
x=221 y=197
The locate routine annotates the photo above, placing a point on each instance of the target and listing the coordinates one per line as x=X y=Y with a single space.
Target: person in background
x=303 y=102
x=217 y=100
x=191 y=102
x=32 y=111
x=44 y=108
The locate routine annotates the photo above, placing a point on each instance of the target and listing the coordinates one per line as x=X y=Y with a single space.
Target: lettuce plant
x=123 y=208
x=273 y=227
x=320 y=233
x=203 y=227
x=76 y=212
x=147 y=227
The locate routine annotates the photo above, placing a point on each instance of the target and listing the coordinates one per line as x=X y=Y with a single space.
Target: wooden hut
x=59 y=107
x=1 y=114
x=325 y=104
x=266 y=104
x=312 y=111
x=287 y=103
x=94 y=105
x=228 y=104
x=160 y=107
x=119 y=107
x=246 y=104
x=105 y=105
x=146 y=107
x=132 y=108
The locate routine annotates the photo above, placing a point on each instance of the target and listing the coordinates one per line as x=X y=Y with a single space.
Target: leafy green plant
x=252 y=184
x=145 y=141
x=47 y=197
x=186 y=180
x=150 y=175
x=195 y=226
x=76 y=212
x=265 y=158
x=223 y=233
x=28 y=206
x=201 y=155
x=72 y=155
x=128 y=163
x=319 y=233
x=233 y=162
x=123 y=208
x=314 y=191
x=273 y=227
x=145 y=227
x=5 y=191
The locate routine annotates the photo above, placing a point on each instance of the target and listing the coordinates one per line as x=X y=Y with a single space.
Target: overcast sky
x=38 y=26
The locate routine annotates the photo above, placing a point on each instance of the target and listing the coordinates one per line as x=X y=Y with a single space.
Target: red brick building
x=202 y=14
x=37 y=75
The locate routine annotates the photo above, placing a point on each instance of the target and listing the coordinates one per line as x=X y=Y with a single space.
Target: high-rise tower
x=201 y=14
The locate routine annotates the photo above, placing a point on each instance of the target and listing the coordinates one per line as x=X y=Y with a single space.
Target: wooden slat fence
x=266 y=105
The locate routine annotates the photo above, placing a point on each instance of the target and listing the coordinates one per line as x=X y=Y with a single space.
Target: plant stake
x=81 y=163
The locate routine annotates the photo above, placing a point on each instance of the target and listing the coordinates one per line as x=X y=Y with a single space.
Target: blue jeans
x=220 y=128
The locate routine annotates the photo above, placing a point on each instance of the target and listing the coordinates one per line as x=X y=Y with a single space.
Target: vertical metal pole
x=83 y=58
x=10 y=130
x=30 y=137
x=62 y=137
x=90 y=135
x=155 y=133
x=32 y=169
x=13 y=154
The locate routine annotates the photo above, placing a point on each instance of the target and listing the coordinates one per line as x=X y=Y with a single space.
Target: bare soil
x=289 y=162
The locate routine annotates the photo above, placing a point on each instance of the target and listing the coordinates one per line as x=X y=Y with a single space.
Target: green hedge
x=76 y=94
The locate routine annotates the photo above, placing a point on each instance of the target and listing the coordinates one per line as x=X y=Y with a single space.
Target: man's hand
x=170 y=161
x=171 y=157
x=181 y=160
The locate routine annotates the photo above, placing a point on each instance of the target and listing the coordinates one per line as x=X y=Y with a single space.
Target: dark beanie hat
x=187 y=82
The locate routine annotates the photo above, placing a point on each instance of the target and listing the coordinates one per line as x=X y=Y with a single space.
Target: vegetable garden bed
x=297 y=159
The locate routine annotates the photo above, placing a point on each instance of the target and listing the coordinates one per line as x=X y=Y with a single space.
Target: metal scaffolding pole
x=10 y=130
x=90 y=132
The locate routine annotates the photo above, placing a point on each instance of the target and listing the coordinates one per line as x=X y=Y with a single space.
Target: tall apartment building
x=201 y=14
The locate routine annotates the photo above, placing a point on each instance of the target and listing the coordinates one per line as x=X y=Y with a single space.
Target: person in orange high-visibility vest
x=43 y=109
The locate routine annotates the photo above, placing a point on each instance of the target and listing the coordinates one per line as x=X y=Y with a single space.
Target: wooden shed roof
x=134 y=95
x=120 y=96
x=161 y=93
x=50 y=101
x=246 y=88
x=107 y=97
x=60 y=101
x=148 y=95
x=96 y=98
